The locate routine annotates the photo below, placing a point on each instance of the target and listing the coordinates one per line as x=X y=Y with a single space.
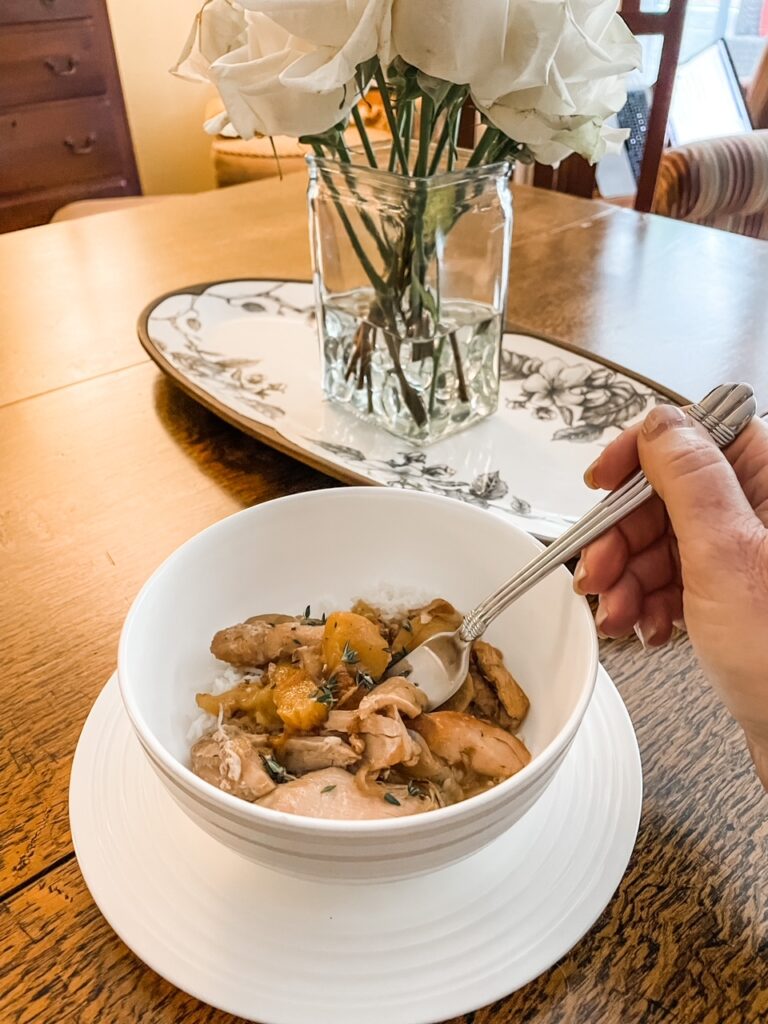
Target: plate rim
x=634 y=766
x=273 y=437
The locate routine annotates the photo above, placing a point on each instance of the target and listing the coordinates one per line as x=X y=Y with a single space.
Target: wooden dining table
x=106 y=467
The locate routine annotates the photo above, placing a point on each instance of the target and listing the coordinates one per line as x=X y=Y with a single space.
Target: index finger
x=616 y=462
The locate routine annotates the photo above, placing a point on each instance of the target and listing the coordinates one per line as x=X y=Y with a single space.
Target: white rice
x=225 y=680
x=393 y=602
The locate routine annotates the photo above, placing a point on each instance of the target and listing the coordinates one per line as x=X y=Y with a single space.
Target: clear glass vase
x=411 y=283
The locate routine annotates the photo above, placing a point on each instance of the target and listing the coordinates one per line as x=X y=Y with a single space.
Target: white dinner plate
x=272 y=949
x=248 y=350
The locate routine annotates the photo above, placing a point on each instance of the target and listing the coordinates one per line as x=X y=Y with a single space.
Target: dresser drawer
x=58 y=144
x=13 y=12
x=50 y=62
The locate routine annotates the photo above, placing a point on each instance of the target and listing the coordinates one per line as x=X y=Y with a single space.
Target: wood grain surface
x=677 y=303
x=105 y=467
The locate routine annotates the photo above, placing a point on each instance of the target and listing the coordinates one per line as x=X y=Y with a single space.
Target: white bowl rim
x=299 y=822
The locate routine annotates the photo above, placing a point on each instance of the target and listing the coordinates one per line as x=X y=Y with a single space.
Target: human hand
x=695 y=555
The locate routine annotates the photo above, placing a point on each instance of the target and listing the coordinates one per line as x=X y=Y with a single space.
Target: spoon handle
x=724 y=413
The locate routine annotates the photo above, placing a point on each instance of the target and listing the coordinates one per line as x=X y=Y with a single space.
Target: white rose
x=497 y=46
x=584 y=85
x=546 y=72
x=342 y=33
x=552 y=138
x=284 y=67
x=218 y=28
x=456 y=40
x=258 y=101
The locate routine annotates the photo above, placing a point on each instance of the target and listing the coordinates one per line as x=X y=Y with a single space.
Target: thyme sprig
x=349 y=655
x=417 y=788
x=276 y=771
x=307 y=619
x=328 y=693
x=363 y=679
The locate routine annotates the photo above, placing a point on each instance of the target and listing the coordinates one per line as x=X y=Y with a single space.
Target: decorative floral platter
x=248 y=350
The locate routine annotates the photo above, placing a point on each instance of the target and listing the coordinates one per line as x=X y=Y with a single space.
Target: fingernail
x=645 y=636
x=662 y=418
x=578 y=577
x=589 y=475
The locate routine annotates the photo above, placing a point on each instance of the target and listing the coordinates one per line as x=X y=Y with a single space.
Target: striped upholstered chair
x=722 y=183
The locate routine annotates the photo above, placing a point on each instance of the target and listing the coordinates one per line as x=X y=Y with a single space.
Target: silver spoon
x=440 y=664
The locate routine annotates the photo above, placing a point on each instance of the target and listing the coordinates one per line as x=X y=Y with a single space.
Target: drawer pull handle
x=83 y=149
x=48 y=3
x=62 y=66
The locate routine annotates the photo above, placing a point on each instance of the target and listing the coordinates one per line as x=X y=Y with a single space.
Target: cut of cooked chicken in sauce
x=310 y=728
x=256 y=641
x=333 y=793
x=233 y=761
x=490 y=662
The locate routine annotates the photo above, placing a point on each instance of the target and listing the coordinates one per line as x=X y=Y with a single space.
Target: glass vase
x=411 y=282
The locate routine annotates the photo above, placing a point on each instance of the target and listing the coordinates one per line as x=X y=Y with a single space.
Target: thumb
x=697 y=484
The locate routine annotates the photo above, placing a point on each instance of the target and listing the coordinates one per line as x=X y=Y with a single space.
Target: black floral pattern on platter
x=588 y=399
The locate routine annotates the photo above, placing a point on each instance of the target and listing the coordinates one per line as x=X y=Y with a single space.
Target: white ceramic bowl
x=327 y=548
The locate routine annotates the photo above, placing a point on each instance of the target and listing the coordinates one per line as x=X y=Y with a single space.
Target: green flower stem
x=370 y=225
x=485 y=146
x=342 y=152
x=363 y=133
x=376 y=280
x=500 y=151
x=435 y=366
x=453 y=145
x=412 y=401
x=407 y=127
x=463 y=393
x=381 y=313
x=452 y=107
x=397 y=142
x=425 y=135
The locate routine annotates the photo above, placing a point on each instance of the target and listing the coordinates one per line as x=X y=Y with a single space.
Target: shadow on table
x=248 y=470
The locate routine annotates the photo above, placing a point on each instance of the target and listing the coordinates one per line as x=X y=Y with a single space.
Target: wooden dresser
x=63 y=129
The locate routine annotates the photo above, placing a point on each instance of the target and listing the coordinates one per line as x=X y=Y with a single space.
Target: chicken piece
x=273 y=618
x=437 y=617
x=490 y=661
x=486 y=703
x=231 y=760
x=296 y=697
x=462 y=739
x=302 y=754
x=434 y=770
x=396 y=694
x=372 y=614
x=377 y=721
x=333 y=793
x=252 y=698
x=463 y=697
x=257 y=641
x=346 y=690
x=311 y=660
x=387 y=743
x=342 y=721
